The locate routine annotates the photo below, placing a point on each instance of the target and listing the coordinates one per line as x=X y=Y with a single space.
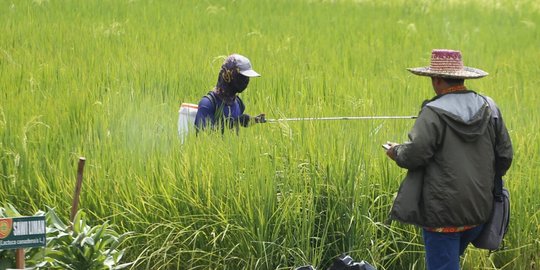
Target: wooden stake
x=78 y=185
x=19 y=258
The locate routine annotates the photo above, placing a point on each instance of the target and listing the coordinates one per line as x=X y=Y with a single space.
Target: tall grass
x=104 y=79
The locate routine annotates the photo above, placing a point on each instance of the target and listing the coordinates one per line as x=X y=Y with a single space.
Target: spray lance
x=338 y=118
x=385 y=146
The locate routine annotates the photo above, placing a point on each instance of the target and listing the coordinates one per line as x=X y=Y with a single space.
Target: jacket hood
x=465 y=112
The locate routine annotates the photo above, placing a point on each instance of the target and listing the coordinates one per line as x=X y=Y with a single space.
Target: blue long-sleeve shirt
x=208 y=113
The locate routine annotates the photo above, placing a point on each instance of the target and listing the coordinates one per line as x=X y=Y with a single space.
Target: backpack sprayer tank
x=186 y=119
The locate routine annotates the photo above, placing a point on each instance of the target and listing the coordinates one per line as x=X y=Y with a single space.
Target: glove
x=261 y=118
x=244 y=120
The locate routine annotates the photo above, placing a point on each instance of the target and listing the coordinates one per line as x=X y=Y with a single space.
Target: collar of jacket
x=450 y=93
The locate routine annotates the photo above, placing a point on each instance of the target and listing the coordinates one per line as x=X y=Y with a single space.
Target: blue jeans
x=443 y=249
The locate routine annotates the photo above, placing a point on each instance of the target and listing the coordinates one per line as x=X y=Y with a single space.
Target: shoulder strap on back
x=218 y=111
x=498 y=188
x=241 y=103
x=211 y=96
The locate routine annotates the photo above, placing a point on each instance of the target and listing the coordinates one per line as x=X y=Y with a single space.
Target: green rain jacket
x=457 y=145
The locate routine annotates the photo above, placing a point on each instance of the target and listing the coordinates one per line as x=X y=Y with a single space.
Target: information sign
x=22 y=232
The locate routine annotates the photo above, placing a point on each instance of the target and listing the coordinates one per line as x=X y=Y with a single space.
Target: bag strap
x=498 y=181
x=210 y=96
x=218 y=111
x=241 y=103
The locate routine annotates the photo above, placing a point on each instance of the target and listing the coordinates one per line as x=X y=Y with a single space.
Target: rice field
x=103 y=79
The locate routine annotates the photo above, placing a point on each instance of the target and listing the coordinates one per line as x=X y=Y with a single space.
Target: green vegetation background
x=104 y=79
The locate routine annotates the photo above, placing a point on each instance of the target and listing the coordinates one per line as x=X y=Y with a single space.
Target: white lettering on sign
x=28 y=227
x=28 y=241
x=7 y=242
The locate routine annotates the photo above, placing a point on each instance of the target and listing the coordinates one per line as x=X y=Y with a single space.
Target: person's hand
x=244 y=120
x=391 y=152
x=261 y=118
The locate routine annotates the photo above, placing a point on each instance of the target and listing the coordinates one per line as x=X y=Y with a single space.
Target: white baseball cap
x=244 y=66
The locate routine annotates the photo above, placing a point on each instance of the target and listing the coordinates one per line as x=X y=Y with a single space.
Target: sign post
x=19 y=258
x=22 y=232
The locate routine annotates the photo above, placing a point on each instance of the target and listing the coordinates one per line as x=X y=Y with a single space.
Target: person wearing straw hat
x=457 y=145
x=222 y=107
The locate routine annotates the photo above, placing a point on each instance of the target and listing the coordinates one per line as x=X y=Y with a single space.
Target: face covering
x=230 y=82
x=240 y=83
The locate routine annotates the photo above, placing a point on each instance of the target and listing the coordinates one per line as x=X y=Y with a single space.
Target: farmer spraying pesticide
x=222 y=108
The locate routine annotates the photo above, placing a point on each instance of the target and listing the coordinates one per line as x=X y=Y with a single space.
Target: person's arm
x=245 y=119
x=424 y=138
x=205 y=115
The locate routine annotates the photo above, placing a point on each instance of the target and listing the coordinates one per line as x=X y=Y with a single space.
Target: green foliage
x=77 y=246
x=80 y=246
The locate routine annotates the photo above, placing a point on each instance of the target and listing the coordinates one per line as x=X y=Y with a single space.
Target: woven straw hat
x=448 y=64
